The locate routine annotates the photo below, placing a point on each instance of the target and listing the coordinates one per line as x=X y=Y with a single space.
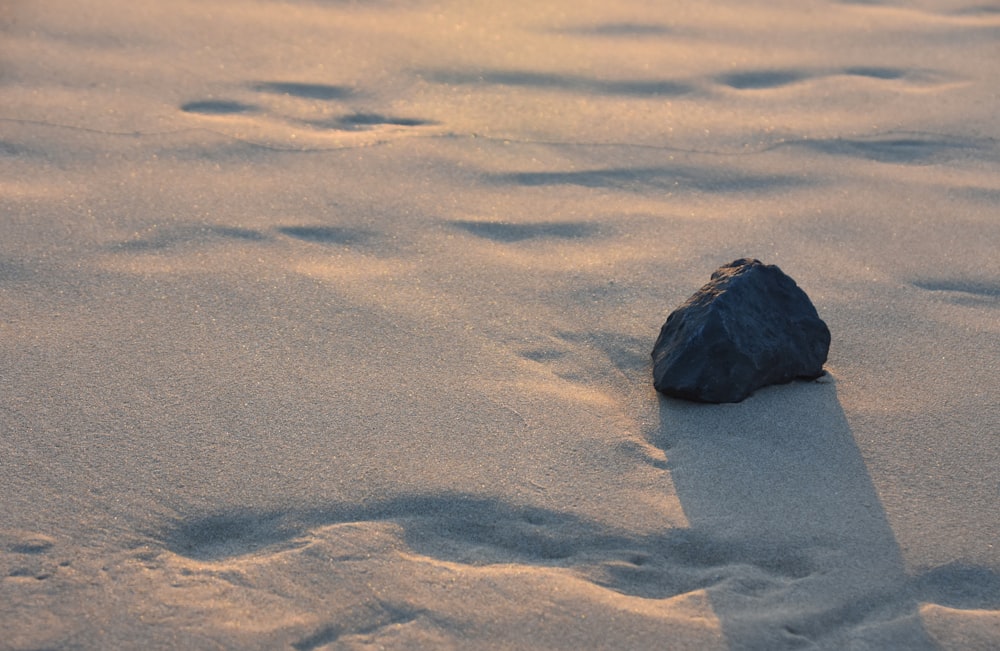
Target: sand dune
x=326 y=324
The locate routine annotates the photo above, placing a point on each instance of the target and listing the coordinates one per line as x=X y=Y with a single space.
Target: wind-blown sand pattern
x=326 y=324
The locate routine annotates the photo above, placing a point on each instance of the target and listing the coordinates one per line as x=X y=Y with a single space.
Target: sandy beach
x=326 y=324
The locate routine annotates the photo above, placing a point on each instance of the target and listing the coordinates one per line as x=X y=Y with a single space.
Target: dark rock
x=749 y=327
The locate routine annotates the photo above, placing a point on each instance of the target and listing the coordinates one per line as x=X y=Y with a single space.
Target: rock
x=749 y=327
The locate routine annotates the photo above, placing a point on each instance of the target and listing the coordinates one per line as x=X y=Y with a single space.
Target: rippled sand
x=326 y=324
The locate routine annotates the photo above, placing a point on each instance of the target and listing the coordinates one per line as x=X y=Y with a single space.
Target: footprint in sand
x=218 y=107
x=303 y=90
x=620 y=30
x=895 y=78
x=314 y=108
x=342 y=235
x=234 y=533
x=163 y=239
x=875 y=72
x=565 y=83
x=25 y=542
x=365 y=121
x=27 y=556
x=668 y=178
x=516 y=232
x=969 y=292
x=913 y=149
x=758 y=79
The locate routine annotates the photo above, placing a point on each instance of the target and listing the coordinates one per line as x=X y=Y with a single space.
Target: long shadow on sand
x=782 y=469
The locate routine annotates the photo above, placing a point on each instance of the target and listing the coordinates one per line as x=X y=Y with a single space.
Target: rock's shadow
x=782 y=469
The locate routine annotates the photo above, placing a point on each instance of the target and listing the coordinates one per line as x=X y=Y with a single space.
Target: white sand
x=326 y=324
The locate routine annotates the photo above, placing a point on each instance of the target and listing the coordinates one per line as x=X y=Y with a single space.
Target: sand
x=326 y=324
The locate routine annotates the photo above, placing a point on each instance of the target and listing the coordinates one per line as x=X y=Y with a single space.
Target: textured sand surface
x=326 y=324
